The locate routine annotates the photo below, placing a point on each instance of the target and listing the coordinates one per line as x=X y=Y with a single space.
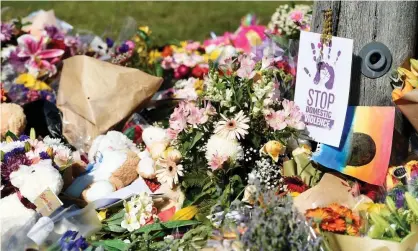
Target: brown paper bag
x=330 y=189
x=94 y=96
x=408 y=104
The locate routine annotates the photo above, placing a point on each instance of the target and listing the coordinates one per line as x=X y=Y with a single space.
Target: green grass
x=168 y=20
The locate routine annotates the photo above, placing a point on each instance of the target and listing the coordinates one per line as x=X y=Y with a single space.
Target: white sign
x=323 y=85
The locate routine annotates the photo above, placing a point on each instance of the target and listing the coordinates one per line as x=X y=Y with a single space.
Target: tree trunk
x=394 y=24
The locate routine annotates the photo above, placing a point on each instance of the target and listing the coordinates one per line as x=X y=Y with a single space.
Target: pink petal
x=51 y=53
x=28 y=43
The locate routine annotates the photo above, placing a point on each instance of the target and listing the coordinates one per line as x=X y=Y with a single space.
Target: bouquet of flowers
x=289 y=20
x=181 y=61
x=29 y=62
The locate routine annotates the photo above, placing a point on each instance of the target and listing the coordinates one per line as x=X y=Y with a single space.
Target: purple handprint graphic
x=325 y=74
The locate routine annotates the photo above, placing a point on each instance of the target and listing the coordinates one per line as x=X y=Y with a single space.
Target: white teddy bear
x=113 y=163
x=31 y=182
x=155 y=139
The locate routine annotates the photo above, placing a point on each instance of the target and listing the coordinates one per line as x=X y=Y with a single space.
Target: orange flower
x=337 y=225
x=352 y=230
x=319 y=214
x=352 y=217
x=340 y=210
x=167 y=51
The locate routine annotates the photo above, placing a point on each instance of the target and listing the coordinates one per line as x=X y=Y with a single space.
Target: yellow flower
x=294 y=194
x=253 y=38
x=273 y=149
x=29 y=81
x=370 y=207
x=145 y=29
x=198 y=85
x=153 y=56
x=102 y=215
x=183 y=44
x=214 y=55
x=177 y=49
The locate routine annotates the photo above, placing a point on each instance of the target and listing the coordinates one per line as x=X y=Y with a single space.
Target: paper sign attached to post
x=323 y=85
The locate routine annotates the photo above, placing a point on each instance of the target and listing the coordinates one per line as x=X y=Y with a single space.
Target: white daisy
x=234 y=128
x=170 y=172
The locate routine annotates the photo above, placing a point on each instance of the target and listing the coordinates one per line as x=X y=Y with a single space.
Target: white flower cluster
x=263 y=92
x=215 y=94
x=266 y=173
x=288 y=21
x=185 y=89
x=138 y=212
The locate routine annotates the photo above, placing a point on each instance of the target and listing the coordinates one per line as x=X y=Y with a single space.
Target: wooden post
x=394 y=24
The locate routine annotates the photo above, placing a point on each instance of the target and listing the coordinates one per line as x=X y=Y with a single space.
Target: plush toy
x=12 y=119
x=30 y=182
x=156 y=141
x=113 y=165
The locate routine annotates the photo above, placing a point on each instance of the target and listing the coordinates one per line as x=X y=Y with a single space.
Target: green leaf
x=114 y=228
x=159 y=71
x=1 y=155
x=116 y=216
x=196 y=138
x=130 y=133
x=11 y=135
x=166 y=225
x=112 y=245
x=256 y=140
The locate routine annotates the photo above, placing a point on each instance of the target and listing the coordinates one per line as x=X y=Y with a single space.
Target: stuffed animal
x=12 y=119
x=113 y=165
x=156 y=141
x=30 y=181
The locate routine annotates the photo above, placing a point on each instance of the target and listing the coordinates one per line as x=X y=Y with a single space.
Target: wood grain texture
x=395 y=24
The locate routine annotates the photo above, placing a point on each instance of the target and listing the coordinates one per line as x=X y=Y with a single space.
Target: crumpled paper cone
x=330 y=189
x=94 y=96
x=408 y=104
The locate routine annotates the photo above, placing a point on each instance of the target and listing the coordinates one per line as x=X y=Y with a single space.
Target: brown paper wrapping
x=339 y=242
x=95 y=95
x=408 y=104
x=330 y=189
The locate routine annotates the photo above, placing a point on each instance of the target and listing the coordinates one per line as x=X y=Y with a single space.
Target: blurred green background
x=168 y=20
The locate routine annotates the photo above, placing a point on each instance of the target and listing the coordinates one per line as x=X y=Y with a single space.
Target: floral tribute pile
x=227 y=168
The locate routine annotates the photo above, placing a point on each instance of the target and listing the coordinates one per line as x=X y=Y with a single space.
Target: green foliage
x=165 y=226
x=112 y=245
x=194 y=239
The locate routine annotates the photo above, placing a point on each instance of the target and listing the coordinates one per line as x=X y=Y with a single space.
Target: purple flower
x=109 y=42
x=268 y=47
x=81 y=244
x=6 y=32
x=68 y=242
x=44 y=155
x=23 y=137
x=399 y=196
x=54 y=33
x=12 y=161
x=14 y=152
x=123 y=48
